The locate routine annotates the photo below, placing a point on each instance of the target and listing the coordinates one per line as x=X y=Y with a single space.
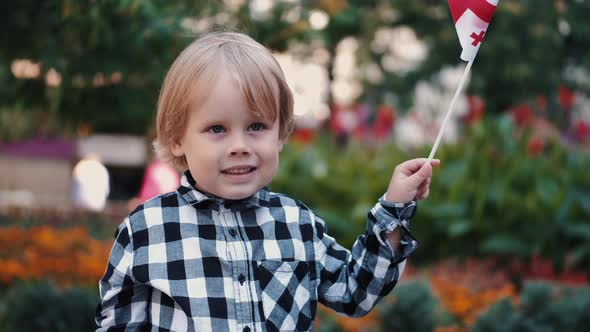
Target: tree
x=112 y=55
x=109 y=58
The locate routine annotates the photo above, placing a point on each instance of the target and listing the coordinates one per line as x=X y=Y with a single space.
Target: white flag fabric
x=472 y=18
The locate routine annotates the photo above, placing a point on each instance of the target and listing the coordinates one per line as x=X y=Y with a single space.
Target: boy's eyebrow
x=251 y=118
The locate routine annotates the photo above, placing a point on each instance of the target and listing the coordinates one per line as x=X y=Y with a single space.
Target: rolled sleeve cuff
x=388 y=217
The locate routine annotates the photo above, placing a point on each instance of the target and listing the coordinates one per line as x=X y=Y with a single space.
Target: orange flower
x=11 y=270
x=365 y=323
x=465 y=304
x=8 y=237
x=452 y=328
x=67 y=256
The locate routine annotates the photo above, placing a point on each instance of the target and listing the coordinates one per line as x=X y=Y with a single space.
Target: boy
x=223 y=253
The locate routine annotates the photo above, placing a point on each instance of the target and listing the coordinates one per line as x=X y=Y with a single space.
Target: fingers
x=423 y=189
x=411 y=166
x=423 y=195
x=425 y=185
x=415 y=175
x=421 y=175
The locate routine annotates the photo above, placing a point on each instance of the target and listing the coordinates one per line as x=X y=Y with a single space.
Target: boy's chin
x=235 y=195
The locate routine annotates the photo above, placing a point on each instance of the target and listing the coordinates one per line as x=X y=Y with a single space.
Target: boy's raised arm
x=352 y=282
x=410 y=181
x=124 y=302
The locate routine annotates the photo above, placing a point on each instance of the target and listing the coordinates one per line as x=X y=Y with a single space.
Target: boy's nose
x=239 y=146
x=238 y=152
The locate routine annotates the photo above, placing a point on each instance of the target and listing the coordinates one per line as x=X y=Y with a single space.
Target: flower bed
x=68 y=256
x=459 y=294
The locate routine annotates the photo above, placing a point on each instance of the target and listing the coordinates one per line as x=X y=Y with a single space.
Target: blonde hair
x=258 y=74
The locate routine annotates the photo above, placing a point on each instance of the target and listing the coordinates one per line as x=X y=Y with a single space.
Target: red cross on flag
x=472 y=18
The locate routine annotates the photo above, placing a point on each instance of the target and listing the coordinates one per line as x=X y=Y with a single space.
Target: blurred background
x=504 y=236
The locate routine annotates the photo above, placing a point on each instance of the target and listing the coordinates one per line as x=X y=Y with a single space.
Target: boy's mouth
x=239 y=170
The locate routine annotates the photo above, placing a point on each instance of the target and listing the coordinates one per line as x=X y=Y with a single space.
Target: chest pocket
x=286 y=295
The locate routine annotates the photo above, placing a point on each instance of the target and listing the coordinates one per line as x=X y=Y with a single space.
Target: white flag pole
x=450 y=110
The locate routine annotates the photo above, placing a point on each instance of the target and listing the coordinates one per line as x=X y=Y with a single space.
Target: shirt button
x=247 y=329
x=232 y=232
x=241 y=279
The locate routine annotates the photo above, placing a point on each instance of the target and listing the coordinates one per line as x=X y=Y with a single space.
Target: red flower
x=541 y=269
x=476 y=110
x=566 y=97
x=535 y=147
x=360 y=132
x=522 y=114
x=343 y=121
x=336 y=125
x=384 y=121
x=574 y=278
x=582 y=131
x=542 y=103
x=303 y=135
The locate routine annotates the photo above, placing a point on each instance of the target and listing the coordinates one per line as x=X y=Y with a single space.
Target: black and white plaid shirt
x=189 y=261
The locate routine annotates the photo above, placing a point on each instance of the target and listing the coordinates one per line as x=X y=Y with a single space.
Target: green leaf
x=578 y=230
x=450 y=210
x=582 y=253
x=584 y=200
x=504 y=244
x=459 y=228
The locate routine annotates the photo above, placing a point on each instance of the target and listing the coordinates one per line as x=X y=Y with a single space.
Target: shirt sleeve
x=124 y=302
x=352 y=282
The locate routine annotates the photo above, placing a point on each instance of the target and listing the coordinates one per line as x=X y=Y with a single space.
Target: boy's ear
x=176 y=149
x=281 y=143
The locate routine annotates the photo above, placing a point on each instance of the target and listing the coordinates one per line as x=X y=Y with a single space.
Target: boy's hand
x=410 y=180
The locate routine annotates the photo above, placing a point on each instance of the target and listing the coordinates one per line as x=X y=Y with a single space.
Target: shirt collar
x=188 y=190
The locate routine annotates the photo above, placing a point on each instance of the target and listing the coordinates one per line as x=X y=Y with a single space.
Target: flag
x=472 y=18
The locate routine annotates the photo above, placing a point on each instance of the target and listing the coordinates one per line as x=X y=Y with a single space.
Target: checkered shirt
x=190 y=261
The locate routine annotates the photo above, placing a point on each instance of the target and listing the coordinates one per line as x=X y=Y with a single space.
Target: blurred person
x=224 y=253
x=159 y=178
x=91 y=183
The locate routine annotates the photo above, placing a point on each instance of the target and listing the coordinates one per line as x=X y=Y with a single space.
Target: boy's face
x=230 y=152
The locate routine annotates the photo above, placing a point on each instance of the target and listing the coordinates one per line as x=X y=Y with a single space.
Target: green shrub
x=413 y=309
x=542 y=309
x=42 y=307
x=485 y=198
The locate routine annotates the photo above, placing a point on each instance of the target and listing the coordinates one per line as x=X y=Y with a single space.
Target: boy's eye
x=216 y=129
x=257 y=126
